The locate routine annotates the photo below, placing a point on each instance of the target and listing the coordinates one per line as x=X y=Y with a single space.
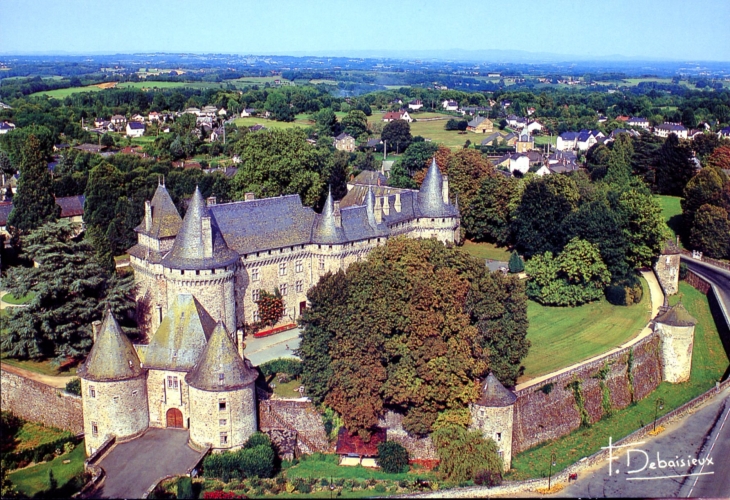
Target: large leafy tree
x=467 y=168
x=675 y=166
x=491 y=210
x=33 y=203
x=710 y=231
x=464 y=454
x=720 y=158
x=71 y=290
x=417 y=156
x=397 y=134
x=644 y=227
x=707 y=187
x=410 y=329
x=355 y=123
x=326 y=122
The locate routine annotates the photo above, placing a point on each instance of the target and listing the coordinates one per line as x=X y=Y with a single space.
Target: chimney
x=386 y=205
x=445 y=189
x=95 y=329
x=397 y=204
x=378 y=210
x=250 y=197
x=207 y=236
x=148 y=215
x=210 y=201
x=337 y=214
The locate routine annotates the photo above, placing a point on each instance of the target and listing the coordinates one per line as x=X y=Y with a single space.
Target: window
x=224 y=438
x=255 y=274
x=134 y=393
x=92 y=391
x=221 y=405
x=255 y=294
x=171 y=382
x=321 y=262
x=282 y=269
x=300 y=286
x=94 y=429
x=499 y=437
x=482 y=412
x=299 y=267
x=222 y=422
x=256 y=317
x=221 y=378
x=284 y=289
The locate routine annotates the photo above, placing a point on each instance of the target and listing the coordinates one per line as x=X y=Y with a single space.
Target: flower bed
x=272 y=331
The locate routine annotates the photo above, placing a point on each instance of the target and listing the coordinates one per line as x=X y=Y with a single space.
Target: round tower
x=493 y=415
x=676 y=330
x=222 y=395
x=200 y=263
x=113 y=388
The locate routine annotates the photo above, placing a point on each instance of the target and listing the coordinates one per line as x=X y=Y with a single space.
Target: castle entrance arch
x=174 y=418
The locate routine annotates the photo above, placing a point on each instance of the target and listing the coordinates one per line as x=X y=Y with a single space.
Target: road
x=720 y=277
x=280 y=345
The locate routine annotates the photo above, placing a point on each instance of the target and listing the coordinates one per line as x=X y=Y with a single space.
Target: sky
x=641 y=29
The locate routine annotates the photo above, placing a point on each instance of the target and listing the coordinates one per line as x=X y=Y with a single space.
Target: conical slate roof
x=112 y=357
x=676 y=316
x=166 y=221
x=181 y=337
x=220 y=368
x=325 y=230
x=189 y=250
x=495 y=394
x=430 y=196
x=370 y=207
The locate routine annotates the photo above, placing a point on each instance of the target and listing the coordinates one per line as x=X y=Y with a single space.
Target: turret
x=328 y=225
x=676 y=330
x=432 y=194
x=493 y=415
x=222 y=395
x=113 y=388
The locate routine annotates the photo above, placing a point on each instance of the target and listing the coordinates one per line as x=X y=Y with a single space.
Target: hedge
x=290 y=366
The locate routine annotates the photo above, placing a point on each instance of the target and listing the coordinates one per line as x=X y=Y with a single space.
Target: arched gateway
x=174 y=418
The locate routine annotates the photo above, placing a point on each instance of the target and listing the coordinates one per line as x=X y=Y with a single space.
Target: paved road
x=720 y=277
x=280 y=345
x=132 y=467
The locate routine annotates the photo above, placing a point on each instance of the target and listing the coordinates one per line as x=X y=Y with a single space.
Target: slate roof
x=71 y=206
x=5 y=208
x=166 y=221
x=674 y=127
x=353 y=445
x=112 y=356
x=370 y=177
x=325 y=231
x=188 y=251
x=343 y=136
x=491 y=138
x=476 y=121
x=219 y=367
x=495 y=394
x=569 y=136
x=636 y=119
x=135 y=125
x=676 y=316
x=373 y=142
x=430 y=197
x=181 y=337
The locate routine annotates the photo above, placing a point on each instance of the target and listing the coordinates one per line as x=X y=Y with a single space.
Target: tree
x=576 y=276
x=705 y=188
x=465 y=453
x=675 y=166
x=107 y=140
x=467 y=168
x=516 y=265
x=271 y=308
x=326 y=122
x=619 y=162
x=417 y=156
x=6 y=167
x=278 y=105
x=34 y=203
x=720 y=158
x=710 y=232
x=408 y=330
x=392 y=457
x=71 y=291
x=400 y=178
x=397 y=134
x=355 y=123
x=644 y=227
x=490 y=214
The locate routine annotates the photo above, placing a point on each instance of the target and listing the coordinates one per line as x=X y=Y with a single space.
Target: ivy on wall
x=575 y=386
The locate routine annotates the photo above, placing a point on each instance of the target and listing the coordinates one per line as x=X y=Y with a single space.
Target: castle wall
x=677 y=343
x=150 y=295
x=238 y=421
x=116 y=408
x=160 y=397
x=37 y=402
x=496 y=424
x=212 y=287
x=549 y=410
x=666 y=269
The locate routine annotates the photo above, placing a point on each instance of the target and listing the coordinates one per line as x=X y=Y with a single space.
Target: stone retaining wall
x=37 y=402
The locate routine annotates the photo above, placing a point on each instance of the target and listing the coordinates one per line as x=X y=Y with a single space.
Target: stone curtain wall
x=299 y=416
x=42 y=403
x=696 y=282
x=549 y=410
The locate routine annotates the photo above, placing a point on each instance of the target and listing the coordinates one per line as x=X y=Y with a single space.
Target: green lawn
x=672 y=212
x=9 y=298
x=248 y=121
x=709 y=363
x=320 y=465
x=485 y=250
x=541 y=140
x=43 y=367
x=288 y=389
x=33 y=434
x=34 y=479
x=562 y=336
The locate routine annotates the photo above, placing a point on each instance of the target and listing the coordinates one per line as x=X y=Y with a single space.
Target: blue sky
x=657 y=29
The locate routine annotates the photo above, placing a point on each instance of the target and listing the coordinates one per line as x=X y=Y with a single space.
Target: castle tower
x=222 y=395
x=172 y=352
x=155 y=237
x=492 y=414
x=200 y=263
x=113 y=388
x=666 y=268
x=676 y=330
x=436 y=217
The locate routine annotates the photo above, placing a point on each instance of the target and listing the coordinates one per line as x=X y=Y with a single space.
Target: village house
x=637 y=121
x=415 y=105
x=6 y=127
x=514 y=162
x=534 y=126
x=135 y=129
x=667 y=128
x=248 y=112
x=480 y=125
x=724 y=133
x=492 y=139
x=118 y=121
x=450 y=105
x=154 y=116
x=344 y=142
x=72 y=209
x=397 y=115
x=516 y=121
x=525 y=142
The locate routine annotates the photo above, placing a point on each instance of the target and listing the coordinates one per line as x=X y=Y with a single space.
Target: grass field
x=541 y=140
x=170 y=85
x=33 y=434
x=562 y=336
x=62 y=93
x=709 y=363
x=483 y=250
x=249 y=121
x=33 y=480
x=672 y=212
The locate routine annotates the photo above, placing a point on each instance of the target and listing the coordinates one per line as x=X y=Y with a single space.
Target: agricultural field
x=257 y=80
x=63 y=93
x=147 y=85
x=562 y=336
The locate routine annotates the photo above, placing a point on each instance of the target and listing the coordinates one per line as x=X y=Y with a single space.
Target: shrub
x=68 y=447
x=304 y=488
x=47 y=457
x=73 y=386
x=258 y=439
x=459 y=466
x=185 y=488
x=516 y=264
x=380 y=488
x=223 y=495
x=290 y=366
x=683 y=271
x=488 y=478
x=392 y=457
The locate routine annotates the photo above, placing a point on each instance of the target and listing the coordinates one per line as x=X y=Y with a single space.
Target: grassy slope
x=33 y=434
x=34 y=479
x=672 y=211
x=561 y=336
x=709 y=362
x=327 y=467
x=486 y=251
